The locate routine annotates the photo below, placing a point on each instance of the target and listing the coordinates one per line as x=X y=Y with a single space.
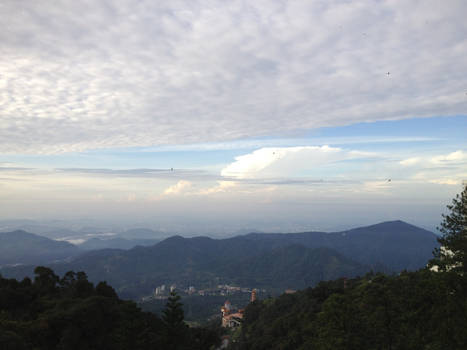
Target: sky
x=215 y=116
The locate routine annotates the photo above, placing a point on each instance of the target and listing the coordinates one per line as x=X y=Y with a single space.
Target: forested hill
x=396 y=245
x=292 y=266
x=71 y=313
x=414 y=310
x=274 y=261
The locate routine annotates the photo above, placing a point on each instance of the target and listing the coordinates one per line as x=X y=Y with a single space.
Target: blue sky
x=413 y=136
x=214 y=116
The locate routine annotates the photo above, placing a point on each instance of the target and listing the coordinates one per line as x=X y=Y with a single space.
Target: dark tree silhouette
x=173 y=314
x=173 y=317
x=45 y=280
x=452 y=255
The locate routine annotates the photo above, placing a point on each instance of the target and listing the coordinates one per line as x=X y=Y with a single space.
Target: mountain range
x=273 y=261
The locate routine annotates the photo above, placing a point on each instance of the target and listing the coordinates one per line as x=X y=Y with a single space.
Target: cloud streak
x=141 y=173
x=87 y=75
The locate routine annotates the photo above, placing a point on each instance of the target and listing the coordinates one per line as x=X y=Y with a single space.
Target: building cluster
x=163 y=291
x=221 y=289
x=225 y=289
x=232 y=318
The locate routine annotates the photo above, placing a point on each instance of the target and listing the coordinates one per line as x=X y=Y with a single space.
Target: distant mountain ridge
x=394 y=244
x=292 y=260
x=21 y=247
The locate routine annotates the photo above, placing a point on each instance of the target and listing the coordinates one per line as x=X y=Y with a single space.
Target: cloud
x=454 y=157
x=221 y=187
x=245 y=166
x=180 y=187
x=380 y=187
x=438 y=162
x=14 y=169
x=87 y=75
x=287 y=161
x=283 y=142
x=443 y=169
x=323 y=167
x=446 y=181
x=168 y=174
x=410 y=161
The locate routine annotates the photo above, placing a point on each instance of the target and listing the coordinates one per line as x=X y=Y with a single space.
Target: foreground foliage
x=415 y=310
x=452 y=256
x=72 y=313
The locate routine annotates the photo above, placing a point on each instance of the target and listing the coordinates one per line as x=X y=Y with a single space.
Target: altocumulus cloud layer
x=78 y=75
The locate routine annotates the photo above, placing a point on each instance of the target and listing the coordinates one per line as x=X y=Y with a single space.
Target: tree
x=173 y=316
x=452 y=255
x=45 y=280
x=103 y=289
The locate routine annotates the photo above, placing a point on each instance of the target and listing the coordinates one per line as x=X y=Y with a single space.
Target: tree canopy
x=452 y=255
x=70 y=313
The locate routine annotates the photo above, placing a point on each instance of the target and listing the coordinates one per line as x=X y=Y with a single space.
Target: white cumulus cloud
x=180 y=187
x=457 y=156
x=286 y=161
x=410 y=161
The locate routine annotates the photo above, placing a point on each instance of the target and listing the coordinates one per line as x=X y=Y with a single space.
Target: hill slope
x=294 y=266
x=20 y=247
x=396 y=245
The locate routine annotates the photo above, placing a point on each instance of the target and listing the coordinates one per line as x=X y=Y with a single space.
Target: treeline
x=71 y=313
x=414 y=310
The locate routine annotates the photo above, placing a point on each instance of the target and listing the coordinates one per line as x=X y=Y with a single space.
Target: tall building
x=253 y=295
